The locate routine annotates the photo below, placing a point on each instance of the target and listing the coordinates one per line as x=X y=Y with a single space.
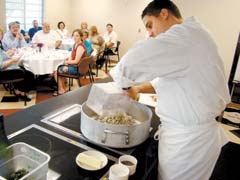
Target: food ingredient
x=18 y=174
x=117 y=119
x=89 y=161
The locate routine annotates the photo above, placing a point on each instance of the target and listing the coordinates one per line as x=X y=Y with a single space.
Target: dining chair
x=83 y=69
x=111 y=52
x=9 y=77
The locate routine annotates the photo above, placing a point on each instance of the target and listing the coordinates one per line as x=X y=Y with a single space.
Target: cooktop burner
x=62 y=150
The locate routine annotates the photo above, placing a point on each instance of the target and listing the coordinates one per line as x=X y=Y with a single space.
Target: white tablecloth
x=44 y=62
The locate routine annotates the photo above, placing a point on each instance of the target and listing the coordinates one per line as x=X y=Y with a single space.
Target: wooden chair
x=9 y=77
x=83 y=69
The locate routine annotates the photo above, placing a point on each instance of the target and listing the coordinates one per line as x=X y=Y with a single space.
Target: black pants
x=27 y=84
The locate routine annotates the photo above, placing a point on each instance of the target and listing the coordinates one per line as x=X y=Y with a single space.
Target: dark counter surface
x=146 y=153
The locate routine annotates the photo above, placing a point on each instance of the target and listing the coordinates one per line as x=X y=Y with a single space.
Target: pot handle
x=106 y=131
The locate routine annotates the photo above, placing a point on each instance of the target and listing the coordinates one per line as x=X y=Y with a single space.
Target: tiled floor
x=8 y=108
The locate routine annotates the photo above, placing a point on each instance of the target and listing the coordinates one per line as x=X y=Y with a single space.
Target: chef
x=181 y=64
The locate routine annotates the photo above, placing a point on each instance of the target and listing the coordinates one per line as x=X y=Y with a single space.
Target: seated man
x=34 y=29
x=110 y=37
x=24 y=33
x=48 y=37
x=13 y=38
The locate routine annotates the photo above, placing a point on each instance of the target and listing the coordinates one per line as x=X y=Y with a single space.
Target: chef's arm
x=134 y=91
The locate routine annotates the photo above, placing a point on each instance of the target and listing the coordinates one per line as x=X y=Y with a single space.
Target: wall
x=58 y=11
x=220 y=17
x=123 y=14
x=2 y=15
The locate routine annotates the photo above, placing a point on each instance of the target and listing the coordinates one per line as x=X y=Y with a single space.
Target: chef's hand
x=133 y=93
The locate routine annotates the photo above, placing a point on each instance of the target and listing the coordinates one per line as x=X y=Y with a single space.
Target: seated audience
x=48 y=37
x=20 y=88
x=62 y=31
x=79 y=51
x=10 y=52
x=96 y=39
x=86 y=43
x=13 y=38
x=84 y=26
x=110 y=37
x=34 y=29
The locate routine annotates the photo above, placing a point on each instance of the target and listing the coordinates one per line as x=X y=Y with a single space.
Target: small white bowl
x=130 y=162
x=118 y=172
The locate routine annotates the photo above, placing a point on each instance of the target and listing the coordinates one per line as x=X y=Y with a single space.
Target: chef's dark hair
x=154 y=8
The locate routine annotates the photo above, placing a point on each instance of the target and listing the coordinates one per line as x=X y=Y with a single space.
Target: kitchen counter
x=63 y=146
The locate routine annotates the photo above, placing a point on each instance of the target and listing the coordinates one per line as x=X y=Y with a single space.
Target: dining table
x=42 y=61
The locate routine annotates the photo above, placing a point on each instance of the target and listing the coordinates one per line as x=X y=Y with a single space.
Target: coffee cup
x=130 y=162
x=118 y=172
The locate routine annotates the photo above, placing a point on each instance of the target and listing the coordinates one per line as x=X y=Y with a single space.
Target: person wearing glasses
x=13 y=37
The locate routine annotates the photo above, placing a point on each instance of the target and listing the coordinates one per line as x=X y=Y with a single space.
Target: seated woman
x=20 y=88
x=62 y=31
x=86 y=43
x=79 y=51
x=96 y=39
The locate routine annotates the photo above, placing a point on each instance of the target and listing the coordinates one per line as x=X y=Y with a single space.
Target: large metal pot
x=117 y=136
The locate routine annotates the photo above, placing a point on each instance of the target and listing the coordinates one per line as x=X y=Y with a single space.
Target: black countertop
x=146 y=153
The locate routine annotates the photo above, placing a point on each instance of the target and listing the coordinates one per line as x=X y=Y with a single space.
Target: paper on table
x=148 y=99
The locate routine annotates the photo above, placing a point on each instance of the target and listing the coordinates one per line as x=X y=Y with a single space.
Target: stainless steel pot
x=117 y=136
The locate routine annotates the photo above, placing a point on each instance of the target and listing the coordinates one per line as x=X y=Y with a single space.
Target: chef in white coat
x=181 y=64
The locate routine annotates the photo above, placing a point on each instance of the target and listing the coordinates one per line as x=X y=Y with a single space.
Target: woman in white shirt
x=62 y=31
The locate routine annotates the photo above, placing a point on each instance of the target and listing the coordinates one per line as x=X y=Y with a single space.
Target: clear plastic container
x=21 y=155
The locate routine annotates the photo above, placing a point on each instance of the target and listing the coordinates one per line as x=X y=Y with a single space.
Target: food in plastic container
x=23 y=156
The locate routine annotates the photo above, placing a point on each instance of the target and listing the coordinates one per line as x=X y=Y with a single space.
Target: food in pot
x=117 y=119
x=18 y=174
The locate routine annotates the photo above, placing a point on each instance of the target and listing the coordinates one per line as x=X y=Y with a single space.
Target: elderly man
x=110 y=37
x=13 y=38
x=34 y=29
x=182 y=65
x=47 y=36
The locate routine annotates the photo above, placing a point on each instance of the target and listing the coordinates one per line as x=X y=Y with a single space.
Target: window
x=24 y=11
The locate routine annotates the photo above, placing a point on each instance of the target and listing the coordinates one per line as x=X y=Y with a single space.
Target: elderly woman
x=13 y=38
x=20 y=88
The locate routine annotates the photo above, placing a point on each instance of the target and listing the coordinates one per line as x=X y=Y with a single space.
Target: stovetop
x=62 y=151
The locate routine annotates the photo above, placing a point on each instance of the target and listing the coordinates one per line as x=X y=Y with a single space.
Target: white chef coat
x=48 y=39
x=191 y=91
